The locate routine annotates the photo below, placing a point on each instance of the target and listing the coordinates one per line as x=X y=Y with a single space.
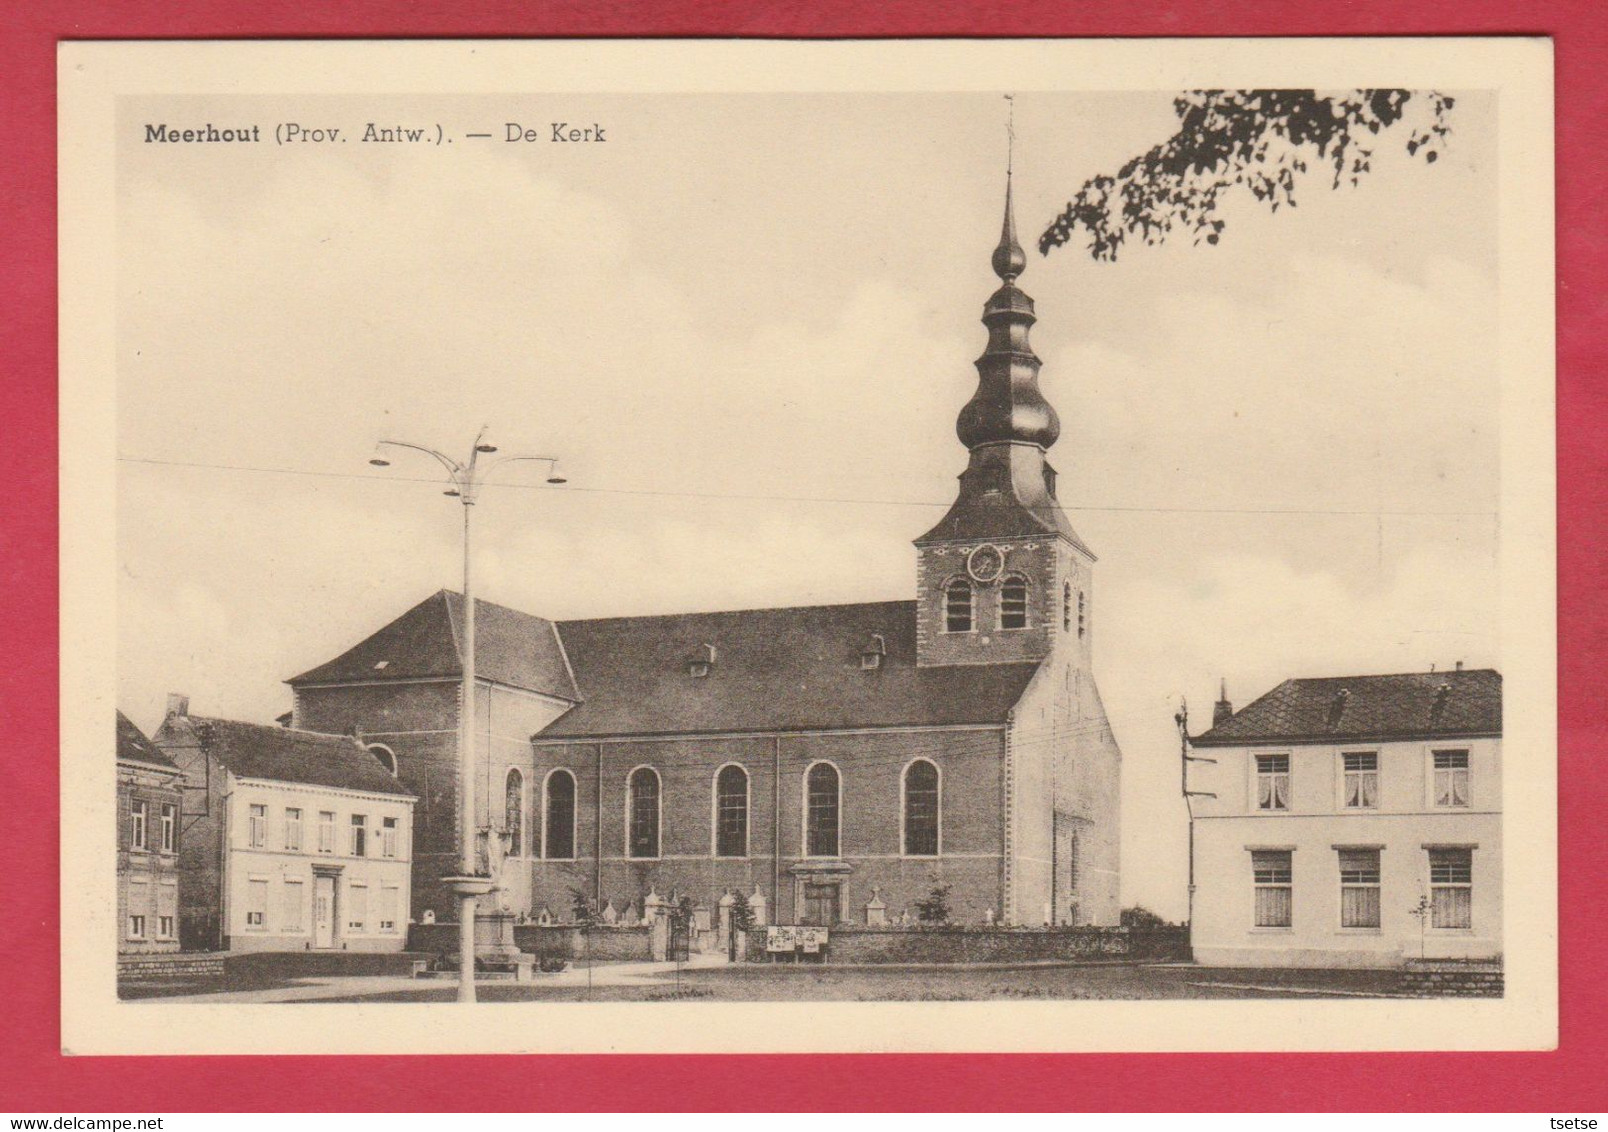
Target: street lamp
x=466 y=477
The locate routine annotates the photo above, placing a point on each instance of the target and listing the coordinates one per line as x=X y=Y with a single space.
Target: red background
x=33 y=1075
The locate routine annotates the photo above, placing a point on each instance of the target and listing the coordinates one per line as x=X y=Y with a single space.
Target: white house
x=293 y=840
x=1351 y=822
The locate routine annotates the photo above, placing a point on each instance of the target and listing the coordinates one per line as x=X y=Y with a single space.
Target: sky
x=746 y=323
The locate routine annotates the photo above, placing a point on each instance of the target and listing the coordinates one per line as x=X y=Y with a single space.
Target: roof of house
x=773 y=670
x=280 y=754
x=1413 y=705
x=511 y=648
x=133 y=746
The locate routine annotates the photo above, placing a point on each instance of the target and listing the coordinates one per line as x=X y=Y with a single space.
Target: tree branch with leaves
x=1261 y=141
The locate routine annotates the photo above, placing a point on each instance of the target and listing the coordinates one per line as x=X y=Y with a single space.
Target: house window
x=389 y=830
x=257 y=905
x=1066 y=606
x=731 y=812
x=295 y=897
x=1272 y=782
x=359 y=845
x=958 y=606
x=168 y=830
x=642 y=806
x=293 y=829
x=558 y=825
x=514 y=812
x=167 y=907
x=1273 y=876
x=389 y=898
x=1359 y=888
x=1362 y=780
x=921 y=809
x=326 y=831
x=1451 y=888
x=139 y=834
x=1451 y=778
x=822 y=803
x=357 y=908
x=1013 y=603
x=136 y=926
x=257 y=827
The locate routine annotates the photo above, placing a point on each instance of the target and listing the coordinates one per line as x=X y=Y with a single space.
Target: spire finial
x=1009 y=259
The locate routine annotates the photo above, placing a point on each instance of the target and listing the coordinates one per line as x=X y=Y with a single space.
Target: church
x=837 y=762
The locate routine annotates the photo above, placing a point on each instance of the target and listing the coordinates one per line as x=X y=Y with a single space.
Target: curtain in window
x=1362 y=789
x=644 y=788
x=1272 y=907
x=1452 y=908
x=1451 y=787
x=921 y=809
x=559 y=823
x=822 y=812
x=1273 y=791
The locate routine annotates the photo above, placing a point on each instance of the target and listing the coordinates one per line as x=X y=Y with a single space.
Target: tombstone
x=610 y=916
x=628 y=914
x=545 y=916
x=756 y=904
x=427 y=916
x=876 y=911
x=656 y=914
x=988 y=917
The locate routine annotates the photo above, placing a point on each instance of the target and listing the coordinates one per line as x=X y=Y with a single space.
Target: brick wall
x=1452 y=979
x=870 y=766
x=984 y=945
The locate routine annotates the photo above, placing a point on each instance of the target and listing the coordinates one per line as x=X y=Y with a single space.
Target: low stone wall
x=989 y=945
x=171 y=965
x=609 y=944
x=1452 y=978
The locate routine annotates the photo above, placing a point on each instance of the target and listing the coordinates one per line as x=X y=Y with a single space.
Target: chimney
x=178 y=704
x=1223 y=709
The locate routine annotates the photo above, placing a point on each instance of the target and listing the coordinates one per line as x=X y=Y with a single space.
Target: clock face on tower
x=985 y=563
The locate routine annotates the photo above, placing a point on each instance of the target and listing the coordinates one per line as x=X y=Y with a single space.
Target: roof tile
x=1462 y=702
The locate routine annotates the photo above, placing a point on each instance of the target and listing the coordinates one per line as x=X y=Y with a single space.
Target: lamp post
x=466 y=477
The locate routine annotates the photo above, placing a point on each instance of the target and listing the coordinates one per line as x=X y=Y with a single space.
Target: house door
x=323 y=911
x=820 y=904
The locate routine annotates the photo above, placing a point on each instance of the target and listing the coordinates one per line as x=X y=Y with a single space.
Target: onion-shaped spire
x=1008 y=406
x=1009 y=259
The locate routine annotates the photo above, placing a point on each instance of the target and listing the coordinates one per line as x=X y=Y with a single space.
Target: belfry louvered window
x=958 y=606
x=822 y=804
x=643 y=805
x=921 y=809
x=1013 y=603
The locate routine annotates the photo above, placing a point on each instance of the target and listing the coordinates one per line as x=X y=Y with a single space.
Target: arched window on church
x=1066 y=606
x=514 y=812
x=386 y=756
x=822 y=805
x=642 y=808
x=921 y=809
x=558 y=817
x=1013 y=602
x=958 y=606
x=731 y=812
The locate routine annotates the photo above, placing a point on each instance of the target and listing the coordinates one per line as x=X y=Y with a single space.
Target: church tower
x=1003 y=577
